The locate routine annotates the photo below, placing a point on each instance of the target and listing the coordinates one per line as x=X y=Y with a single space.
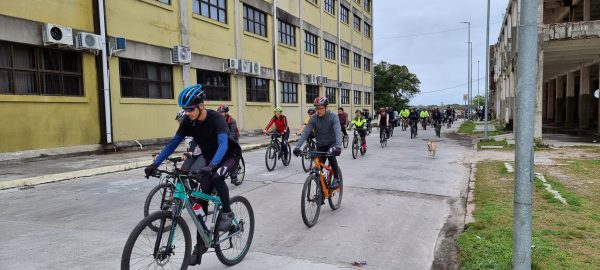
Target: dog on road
x=431 y=148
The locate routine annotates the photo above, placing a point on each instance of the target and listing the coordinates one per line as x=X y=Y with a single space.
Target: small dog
x=431 y=148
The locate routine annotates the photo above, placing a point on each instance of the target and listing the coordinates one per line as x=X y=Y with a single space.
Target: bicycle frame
x=318 y=169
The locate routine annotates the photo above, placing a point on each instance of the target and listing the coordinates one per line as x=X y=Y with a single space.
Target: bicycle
x=345 y=140
x=424 y=123
x=312 y=199
x=306 y=160
x=383 y=136
x=165 y=245
x=438 y=128
x=275 y=151
x=449 y=122
x=357 y=143
x=413 y=130
x=369 y=127
x=404 y=124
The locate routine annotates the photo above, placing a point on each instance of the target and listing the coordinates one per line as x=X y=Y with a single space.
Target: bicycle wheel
x=241 y=172
x=239 y=238
x=312 y=197
x=335 y=198
x=306 y=160
x=355 y=147
x=271 y=157
x=345 y=140
x=288 y=157
x=139 y=251
x=159 y=198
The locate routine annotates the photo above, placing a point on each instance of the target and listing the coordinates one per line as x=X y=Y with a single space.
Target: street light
x=469 y=68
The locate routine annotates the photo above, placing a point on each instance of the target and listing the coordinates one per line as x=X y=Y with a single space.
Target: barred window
x=344 y=11
x=357 y=60
x=330 y=50
x=367 y=98
x=367 y=30
x=345 y=96
x=367 y=5
x=312 y=92
x=330 y=6
x=345 y=56
x=141 y=79
x=257 y=90
x=255 y=21
x=330 y=93
x=357 y=96
x=311 y=43
x=289 y=92
x=287 y=33
x=213 y=9
x=367 y=64
x=215 y=84
x=357 y=22
x=29 y=70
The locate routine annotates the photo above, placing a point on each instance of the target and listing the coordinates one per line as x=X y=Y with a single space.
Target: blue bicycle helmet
x=191 y=95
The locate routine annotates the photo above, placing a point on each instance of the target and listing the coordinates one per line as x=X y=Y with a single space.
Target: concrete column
x=586 y=10
x=570 y=109
x=559 y=113
x=551 y=100
x=598 y=101
x=537 y=132
x=584 y=98
x=545 y=96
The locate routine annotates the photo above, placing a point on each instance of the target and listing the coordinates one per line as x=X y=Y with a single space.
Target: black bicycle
x=276 y=151
x=413 y=129
x=357 y=145
x=345 y=140
x=383 y=136
x=438 y=128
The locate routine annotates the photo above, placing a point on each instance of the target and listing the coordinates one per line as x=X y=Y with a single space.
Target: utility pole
x=527 y=72
x=477 y=84
x=487 y=72
x=468 y=69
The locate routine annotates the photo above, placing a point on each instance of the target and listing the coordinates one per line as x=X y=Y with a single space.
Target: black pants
x=332 y=159
x=344 y=130
x=383 y=129
x=363 y=134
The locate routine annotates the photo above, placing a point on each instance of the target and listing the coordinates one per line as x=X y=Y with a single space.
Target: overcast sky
x=426 y=36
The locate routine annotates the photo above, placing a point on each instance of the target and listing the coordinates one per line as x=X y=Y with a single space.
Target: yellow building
x=61 y=86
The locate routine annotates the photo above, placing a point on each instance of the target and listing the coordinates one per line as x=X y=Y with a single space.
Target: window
x=344 y=14
x=330 y=50
x=367 y=64
x=357 y=60
x=345 y=96
x=28 y=70
x=215 y=84
x=168 y=2
x=367 y=98
x=357 y=97
x=289 y=92
x=330 y=94
x=357 y=23
x=311 y=43
x=367 y=30
x=141 y=79
x=316 y=2
x=257 y=89
x=214 y=9
x=312 y=92
x=367 y=5
x=330 y=6
x=287 y=33
x=345 y=56
x=255 y=21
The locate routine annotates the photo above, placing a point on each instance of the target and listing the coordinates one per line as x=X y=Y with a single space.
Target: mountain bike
x=413 y=130
x=306 y=159
x=275 y=151
x=170 y=245
x=404 y=124
x=357 y=143
x=383 y=136
x=438 y=128
x=317 y=188
x=345 y=139
x=424 y=123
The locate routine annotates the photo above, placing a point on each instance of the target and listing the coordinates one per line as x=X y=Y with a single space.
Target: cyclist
x=392 y=115
x=404 y=113
x=436 y=116
x=309 y=113
x=281 y=126
x=413 y=118
x=361 y=124
x=222 y=153
x=424 y=115
x=383 y=120
x=367 y=116
x=234 y=131
x=328 y=135
x=343 y=116
x=449 y=115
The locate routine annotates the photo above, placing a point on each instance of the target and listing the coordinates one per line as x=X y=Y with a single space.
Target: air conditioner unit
x=118 y=44
x=246 y=66
x=56 y=34
x=232 y=64
x=321 y=79
x=181 y=55
x=88 y=41
x=256 y=68
x=311 y=79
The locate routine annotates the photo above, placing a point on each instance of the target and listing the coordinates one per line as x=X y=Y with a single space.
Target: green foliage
x=394 y=85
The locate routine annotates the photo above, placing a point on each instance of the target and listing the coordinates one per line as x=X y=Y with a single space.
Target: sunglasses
x=189 y=109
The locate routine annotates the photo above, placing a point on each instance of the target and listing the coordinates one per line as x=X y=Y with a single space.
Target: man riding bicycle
x=413 y=118
x=343 y=116
x=424 y=115
x=383 y=120
x=328 y=135
x=437 y=116
x=361 y=127
x=281 y=126
x=221 y=152
x=234 y=131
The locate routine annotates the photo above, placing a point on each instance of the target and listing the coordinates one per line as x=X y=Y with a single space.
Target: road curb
x=44 y=179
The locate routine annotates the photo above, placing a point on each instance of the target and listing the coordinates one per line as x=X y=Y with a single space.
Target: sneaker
x=196 y=258
x=335 y=183
x=226 y=221
x=234 y=179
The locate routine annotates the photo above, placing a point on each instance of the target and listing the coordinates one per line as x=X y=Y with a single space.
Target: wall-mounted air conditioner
x=256 y=68
x=246 y=66
x=88 y=41
x=181 y=55
x=311 y=79
x=118 y=44
x=57 y=35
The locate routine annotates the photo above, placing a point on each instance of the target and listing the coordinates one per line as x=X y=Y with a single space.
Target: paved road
x=398 y=205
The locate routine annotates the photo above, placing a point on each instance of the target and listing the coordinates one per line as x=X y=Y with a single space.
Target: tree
x=394 y=85
x=478 y=100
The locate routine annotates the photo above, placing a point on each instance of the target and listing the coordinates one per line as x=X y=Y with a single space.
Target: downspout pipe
x=105 y=76
x=275 y=61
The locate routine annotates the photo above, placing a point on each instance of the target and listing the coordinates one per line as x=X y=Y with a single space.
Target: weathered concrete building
x=569 y=57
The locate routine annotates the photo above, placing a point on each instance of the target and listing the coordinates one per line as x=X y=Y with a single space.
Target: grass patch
x=492 y=142
x=564 y=236
x=467 y=127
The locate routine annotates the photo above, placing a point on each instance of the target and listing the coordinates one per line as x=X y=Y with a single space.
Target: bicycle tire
x=354 y=148
x=339 y=191
x=317 y=198
x=139 y=228
x=241 y=172
x=271 y=154
x=286 y=160
x=345 y=140
x=306 y=160
x=219 y=251
x=163 y=204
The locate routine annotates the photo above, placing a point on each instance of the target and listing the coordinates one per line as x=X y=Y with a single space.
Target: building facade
x=251 y=55
x=569 y=57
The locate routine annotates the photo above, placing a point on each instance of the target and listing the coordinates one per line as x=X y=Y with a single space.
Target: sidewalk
x=28 y=173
